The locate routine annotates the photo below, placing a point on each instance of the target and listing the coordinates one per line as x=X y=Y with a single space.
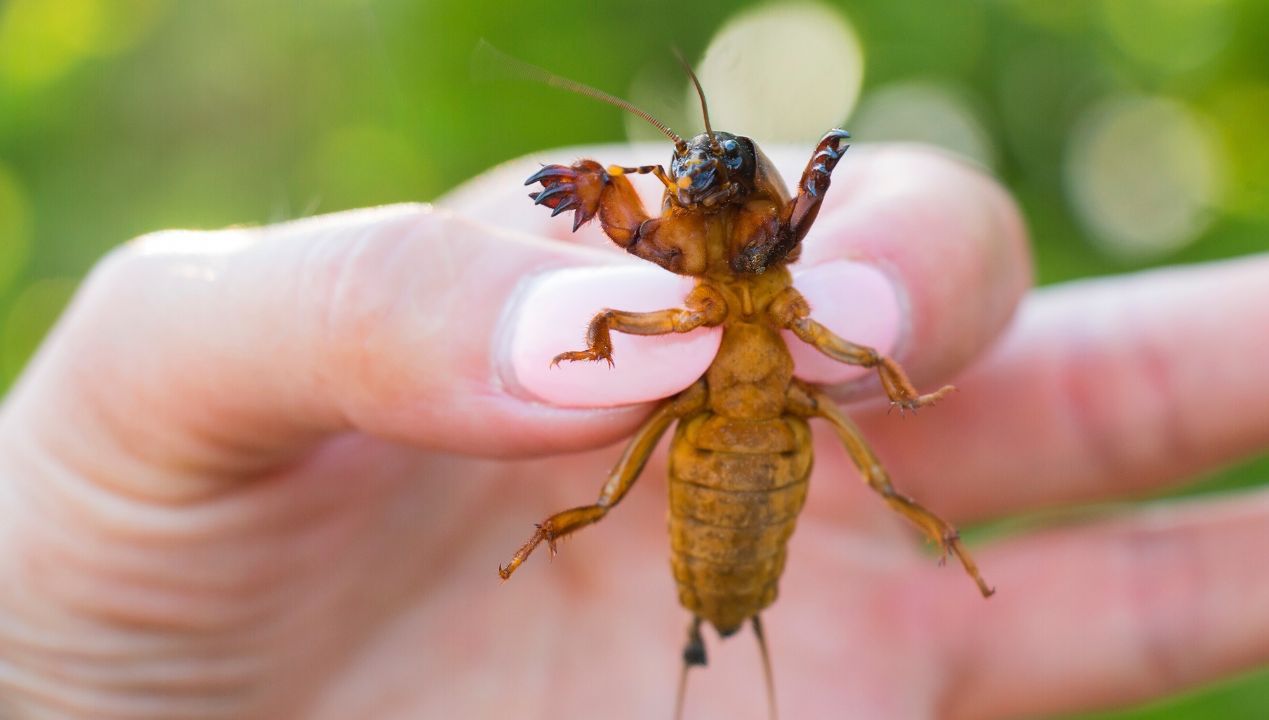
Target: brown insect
x=741 y=453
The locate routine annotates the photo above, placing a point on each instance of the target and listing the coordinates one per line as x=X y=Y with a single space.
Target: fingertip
x=950 y=239
x=854 y=300
x=550 y=315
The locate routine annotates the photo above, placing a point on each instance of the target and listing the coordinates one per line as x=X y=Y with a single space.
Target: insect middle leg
x=705 y=308
x=620 y=480
x=790 y=310
x=811 y=402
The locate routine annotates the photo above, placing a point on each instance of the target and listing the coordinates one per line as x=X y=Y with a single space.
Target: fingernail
x=856 y=301
x=552 y=313
x=859 y=303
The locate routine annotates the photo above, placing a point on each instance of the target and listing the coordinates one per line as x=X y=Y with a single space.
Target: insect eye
x=730 y=146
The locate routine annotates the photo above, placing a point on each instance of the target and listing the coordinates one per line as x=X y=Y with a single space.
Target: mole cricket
x=741 y=454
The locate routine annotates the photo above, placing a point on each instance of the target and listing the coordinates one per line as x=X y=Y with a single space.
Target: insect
x=741 y=453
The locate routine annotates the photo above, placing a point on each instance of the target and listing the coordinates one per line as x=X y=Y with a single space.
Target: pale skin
x=269 y=473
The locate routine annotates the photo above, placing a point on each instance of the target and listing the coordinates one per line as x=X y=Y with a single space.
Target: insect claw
x=835 y=137
x=550 y=171
x=551 y=192
x=571 y=356
x=578 y=219
x=565 y=204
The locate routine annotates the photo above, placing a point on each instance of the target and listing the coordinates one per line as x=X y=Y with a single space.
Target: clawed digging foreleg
x=579 y=187
x=767 y=248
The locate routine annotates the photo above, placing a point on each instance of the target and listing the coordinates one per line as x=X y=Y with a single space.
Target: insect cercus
x=741 y=452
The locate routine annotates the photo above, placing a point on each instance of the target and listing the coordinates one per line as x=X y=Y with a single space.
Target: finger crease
x=1121 y=399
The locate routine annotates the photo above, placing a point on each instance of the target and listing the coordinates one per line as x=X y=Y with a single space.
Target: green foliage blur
x=119 y=118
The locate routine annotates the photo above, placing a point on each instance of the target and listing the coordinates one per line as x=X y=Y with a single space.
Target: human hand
x=267 y=473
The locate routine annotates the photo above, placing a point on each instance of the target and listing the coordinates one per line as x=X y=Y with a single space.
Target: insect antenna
x=486 y=56
x=713 y=142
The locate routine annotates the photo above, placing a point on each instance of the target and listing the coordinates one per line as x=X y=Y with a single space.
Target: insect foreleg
x=705 y=308
x=790 y=310
x=620 y=480
x=814 y=183
x=587 y=188
x=814 y=403
x=772 y=245
x=657 y=171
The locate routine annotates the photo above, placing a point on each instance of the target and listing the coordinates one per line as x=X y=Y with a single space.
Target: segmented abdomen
x=736 y=487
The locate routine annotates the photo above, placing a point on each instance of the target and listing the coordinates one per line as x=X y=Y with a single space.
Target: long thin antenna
x=488 y=55
x=701 y=94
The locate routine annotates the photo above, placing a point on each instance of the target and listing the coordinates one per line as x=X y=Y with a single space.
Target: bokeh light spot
x=124 y=24
x=782 y=73
x=14 y=228
x=1170 y=35
x=41 y=40
x=1143 y=175
x=1241 y=110
x=924 y=111
x=30 y=316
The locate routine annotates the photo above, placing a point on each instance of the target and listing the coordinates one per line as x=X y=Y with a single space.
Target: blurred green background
x=1134 y=132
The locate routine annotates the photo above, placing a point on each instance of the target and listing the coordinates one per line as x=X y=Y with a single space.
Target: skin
x=267 y=473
